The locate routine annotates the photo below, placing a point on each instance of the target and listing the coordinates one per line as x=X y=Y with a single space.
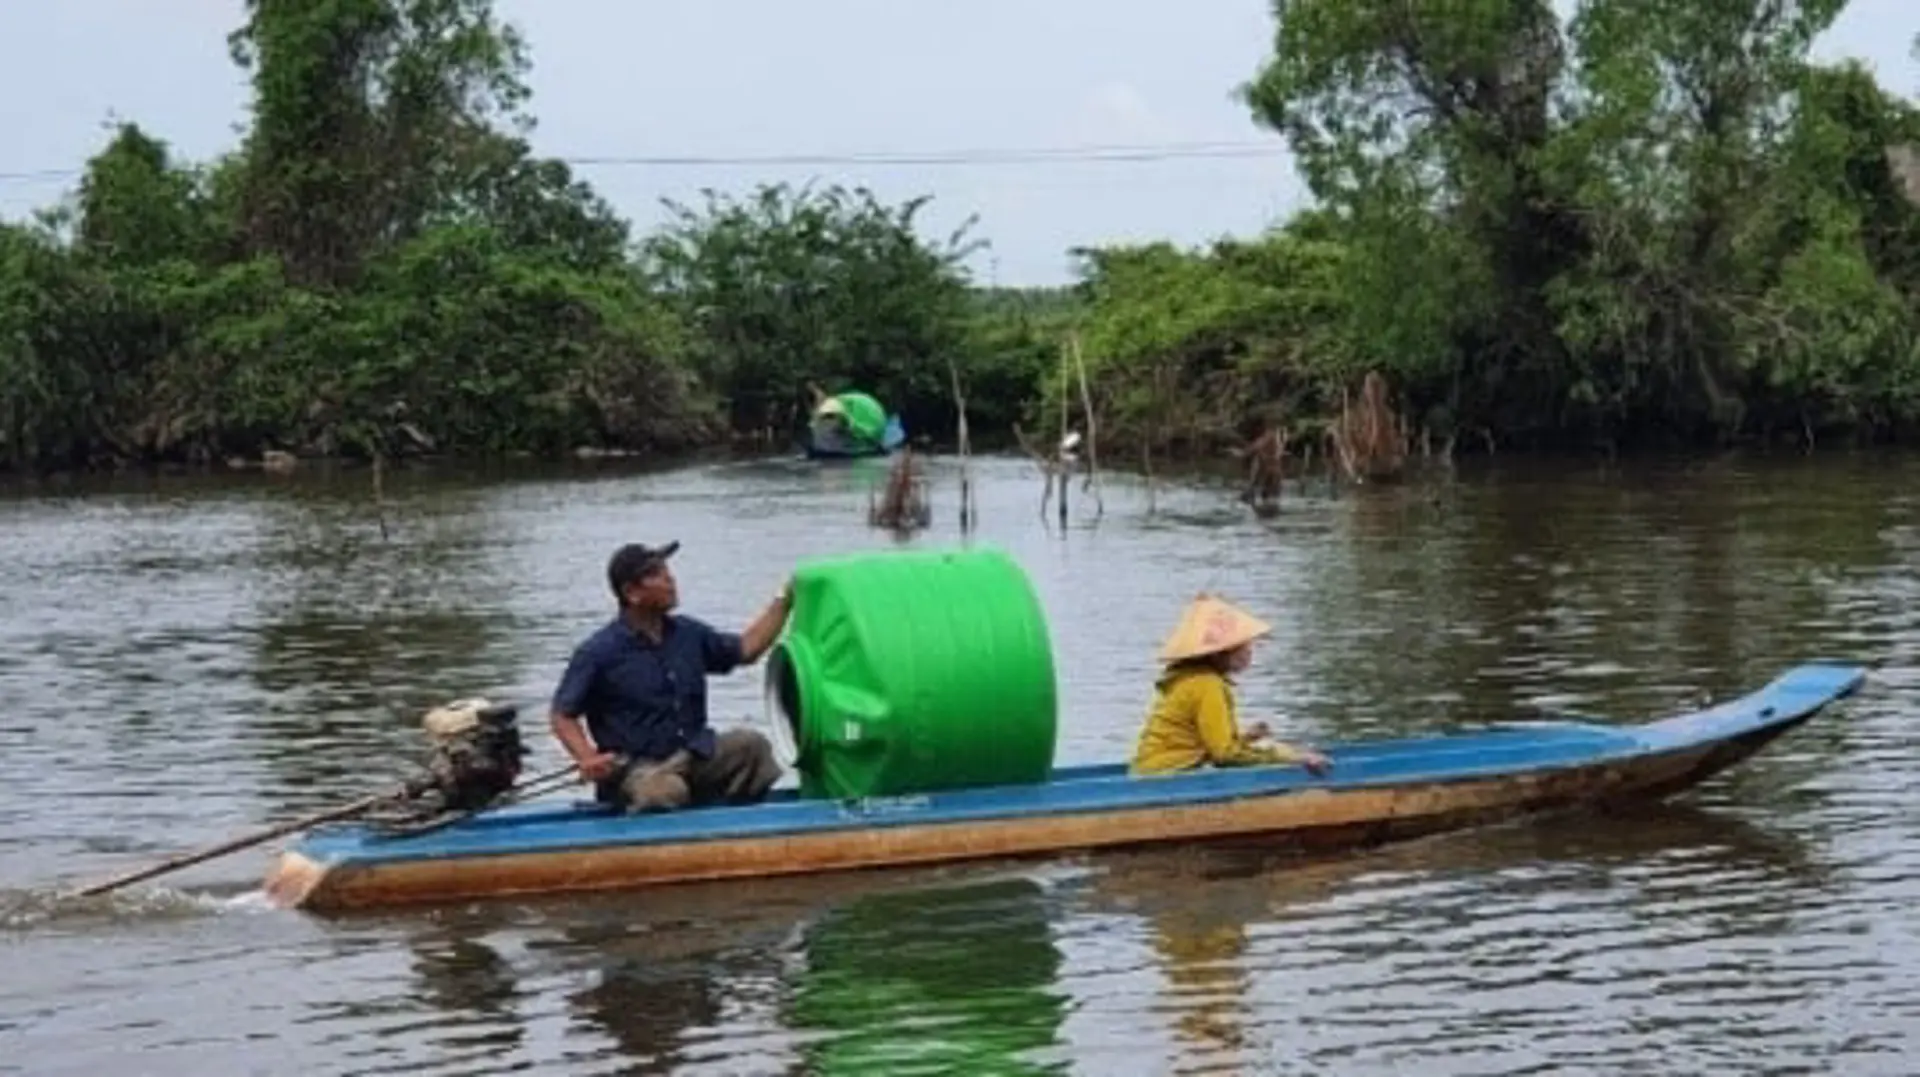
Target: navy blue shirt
x=642 y=698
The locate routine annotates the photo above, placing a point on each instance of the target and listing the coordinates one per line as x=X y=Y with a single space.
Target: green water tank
x=913 y=672
x=866 y=419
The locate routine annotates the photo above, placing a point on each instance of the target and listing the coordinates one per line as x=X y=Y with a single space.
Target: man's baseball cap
x=633 y=561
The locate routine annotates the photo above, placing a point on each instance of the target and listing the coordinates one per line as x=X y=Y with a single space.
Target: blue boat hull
x=1379 y=791
x=834 y=452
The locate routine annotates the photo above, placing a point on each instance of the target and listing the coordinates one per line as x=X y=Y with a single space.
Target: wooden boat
x=1379 y=790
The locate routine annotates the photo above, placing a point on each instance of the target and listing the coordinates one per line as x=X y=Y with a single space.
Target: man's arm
x=572 y=734
x=724 y=652
x=766 y=628
x=569 y=702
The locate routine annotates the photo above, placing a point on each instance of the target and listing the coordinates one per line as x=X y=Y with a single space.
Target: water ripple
x=270 y=653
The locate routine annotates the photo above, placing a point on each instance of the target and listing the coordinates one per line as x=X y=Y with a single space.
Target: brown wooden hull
x=1317 y=819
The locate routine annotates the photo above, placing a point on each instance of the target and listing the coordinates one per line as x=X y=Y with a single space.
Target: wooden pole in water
x=1060 y=453
x=345 y=811
x=1092 y=484
x=965 y=447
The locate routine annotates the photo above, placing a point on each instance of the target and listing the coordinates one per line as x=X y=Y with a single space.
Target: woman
x=1192 y=722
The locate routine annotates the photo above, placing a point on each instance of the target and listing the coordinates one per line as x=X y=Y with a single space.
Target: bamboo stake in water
x=1092 y=483
x=965 y=447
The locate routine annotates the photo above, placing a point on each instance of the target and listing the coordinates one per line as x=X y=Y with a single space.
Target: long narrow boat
x=1378 y=791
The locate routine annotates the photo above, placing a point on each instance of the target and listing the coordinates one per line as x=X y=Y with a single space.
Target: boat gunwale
x=346 y=886
x=560 y=829
x=597 y=827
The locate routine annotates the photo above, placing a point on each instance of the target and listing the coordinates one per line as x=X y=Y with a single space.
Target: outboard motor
x=474 y=754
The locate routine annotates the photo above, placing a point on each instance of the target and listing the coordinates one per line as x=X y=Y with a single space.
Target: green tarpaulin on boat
x=866 y=419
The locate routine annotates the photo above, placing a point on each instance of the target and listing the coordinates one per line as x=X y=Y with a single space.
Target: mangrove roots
x=1369 y=438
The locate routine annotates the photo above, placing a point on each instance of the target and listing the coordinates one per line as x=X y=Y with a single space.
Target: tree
x=382 y=266
x=792 y=288
x=1600 y=227
x=370 y=117
x=1424 y=127
x=1191 y=347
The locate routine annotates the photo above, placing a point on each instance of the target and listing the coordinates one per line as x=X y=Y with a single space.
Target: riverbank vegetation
x=1647 y=225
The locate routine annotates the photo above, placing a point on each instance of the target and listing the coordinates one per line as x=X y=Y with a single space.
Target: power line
x=1076 y=154
x=42 y=174
x=988 y=157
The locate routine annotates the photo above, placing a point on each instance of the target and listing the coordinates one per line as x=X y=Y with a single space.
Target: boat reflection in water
x=1120 y=962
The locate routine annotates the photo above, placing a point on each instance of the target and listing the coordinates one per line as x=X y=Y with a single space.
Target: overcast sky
x=734 y=78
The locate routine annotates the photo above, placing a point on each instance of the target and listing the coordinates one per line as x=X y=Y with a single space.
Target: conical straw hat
x=1211 y=625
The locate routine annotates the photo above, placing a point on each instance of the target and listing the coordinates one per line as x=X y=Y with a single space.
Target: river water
x=183 y=659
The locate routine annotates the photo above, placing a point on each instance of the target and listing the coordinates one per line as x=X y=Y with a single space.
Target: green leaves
x=830 y=288
x=379 y=270
x=1636 y=221
x=385 y=267
x=372 y=118
x=1183 y=346
x=1650 y=219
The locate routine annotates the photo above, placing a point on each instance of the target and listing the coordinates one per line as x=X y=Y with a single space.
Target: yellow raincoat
x=1192 y=724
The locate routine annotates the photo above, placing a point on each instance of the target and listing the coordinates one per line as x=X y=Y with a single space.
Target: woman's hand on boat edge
x=1316 y=763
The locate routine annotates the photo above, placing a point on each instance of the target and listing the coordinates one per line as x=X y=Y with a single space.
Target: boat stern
x=293 y=880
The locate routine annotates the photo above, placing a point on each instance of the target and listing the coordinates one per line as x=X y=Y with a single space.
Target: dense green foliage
x=794 y=289
x=377 y=267
x=1652 y=222
x=1646 y=223
x=383 y=267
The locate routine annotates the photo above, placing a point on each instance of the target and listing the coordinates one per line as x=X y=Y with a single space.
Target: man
x=639 y=683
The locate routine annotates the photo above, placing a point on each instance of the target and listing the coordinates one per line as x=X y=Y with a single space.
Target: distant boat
x=1378 y=791
x=851 y=425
